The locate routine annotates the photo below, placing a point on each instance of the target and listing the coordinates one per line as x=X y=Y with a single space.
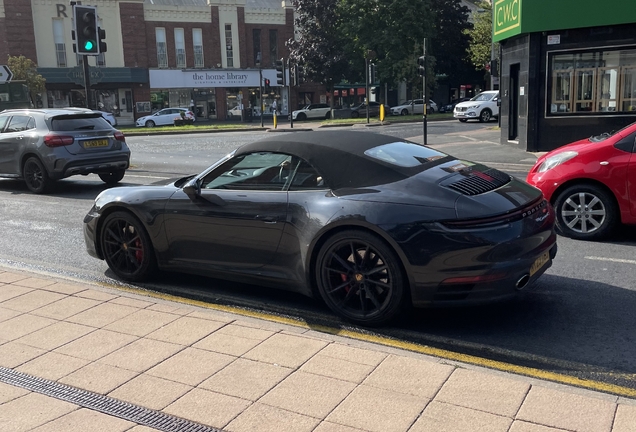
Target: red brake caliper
x=344 y=279
x=139 y=254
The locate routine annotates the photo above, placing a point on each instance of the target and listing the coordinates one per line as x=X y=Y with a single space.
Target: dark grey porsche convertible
x=370 y=223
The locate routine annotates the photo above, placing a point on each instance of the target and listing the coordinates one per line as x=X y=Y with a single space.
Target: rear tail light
x=58 y=140
x=119 y=136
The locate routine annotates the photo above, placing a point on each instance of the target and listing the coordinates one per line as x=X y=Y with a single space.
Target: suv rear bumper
x=64 y=168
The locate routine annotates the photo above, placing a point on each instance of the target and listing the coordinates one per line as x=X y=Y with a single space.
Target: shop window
x=58 y=39
x=197 y=42
x=179 y=43
x=229 y=52
x=592 y=82
x=273 y=46
x=162 y=49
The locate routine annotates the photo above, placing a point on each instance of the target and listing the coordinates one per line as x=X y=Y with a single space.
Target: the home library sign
x=210 y=78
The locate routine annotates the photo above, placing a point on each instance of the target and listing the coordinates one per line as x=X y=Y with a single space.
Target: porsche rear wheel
x=127 y=248
x=585 y=212
x=360 y=278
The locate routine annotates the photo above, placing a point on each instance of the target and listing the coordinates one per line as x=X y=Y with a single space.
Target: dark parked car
x=374 y=110
x=44 y=145
x=371 y=223
x=451 y=106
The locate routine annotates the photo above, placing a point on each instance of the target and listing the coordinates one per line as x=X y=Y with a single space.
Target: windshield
x=482 y=97
x=606 y=135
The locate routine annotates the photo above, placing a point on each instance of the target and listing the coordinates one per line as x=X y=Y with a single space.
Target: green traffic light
x=88 y=45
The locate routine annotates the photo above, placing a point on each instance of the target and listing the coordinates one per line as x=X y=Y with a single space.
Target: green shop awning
x=515 y=17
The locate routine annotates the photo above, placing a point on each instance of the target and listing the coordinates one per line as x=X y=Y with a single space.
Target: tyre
x=150 y=124
x=463 y=120
x=328 y=115
x=127 y=248
x=360 y=278
x=355 y=114
x=112 y=177
x=35 y=176
x=585 y=212
x=301 y=116
x=485 y=116
x=404 y=112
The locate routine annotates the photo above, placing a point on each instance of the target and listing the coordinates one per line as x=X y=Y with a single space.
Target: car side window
x=3 y=122
x=306 y=178
x=18 y=123
x=262 y=171
x=30 y=124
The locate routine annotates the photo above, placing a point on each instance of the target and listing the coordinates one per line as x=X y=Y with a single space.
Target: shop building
x=568 y=69
x=212 y=56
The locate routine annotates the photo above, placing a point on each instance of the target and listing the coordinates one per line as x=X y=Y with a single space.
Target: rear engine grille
x=481 y=182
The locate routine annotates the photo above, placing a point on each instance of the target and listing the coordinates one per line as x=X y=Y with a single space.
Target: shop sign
x=76 y=75
x=507 y=18
x=208 y=79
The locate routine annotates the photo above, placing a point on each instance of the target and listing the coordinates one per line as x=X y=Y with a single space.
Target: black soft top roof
x=337 y=155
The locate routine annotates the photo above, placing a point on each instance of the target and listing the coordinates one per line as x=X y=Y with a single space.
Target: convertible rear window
x=404 y=154
x=79 y=122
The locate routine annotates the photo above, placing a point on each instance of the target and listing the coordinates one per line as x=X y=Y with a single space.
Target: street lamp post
x=260 y=85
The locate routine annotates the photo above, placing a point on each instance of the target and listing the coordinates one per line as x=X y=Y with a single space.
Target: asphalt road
x=579 y=319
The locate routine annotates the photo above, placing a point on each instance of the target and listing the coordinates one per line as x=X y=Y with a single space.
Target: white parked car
x=312 y=111
x=414 y=107
x=482 y=107
x=164 y=117
x=109 y=117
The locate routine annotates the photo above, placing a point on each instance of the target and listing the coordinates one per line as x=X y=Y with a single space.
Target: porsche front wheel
x=360 y=278
x=126 y=247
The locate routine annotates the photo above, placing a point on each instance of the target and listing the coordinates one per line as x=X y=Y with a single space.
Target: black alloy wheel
x=485 y=116
x=360 y=278
x=301 y=116
x=127 y=248
x=112 y=177
x=355 y=114
x=404 y=112
x=150 y=124
x=585 y=212
x=35 y=176
x=328 y=115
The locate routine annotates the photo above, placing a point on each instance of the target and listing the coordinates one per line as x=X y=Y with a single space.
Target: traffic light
x=421 y=66
x=294 y=77
x=374 y=90
x=371 y=73
x=101 y=33
x=266 y=85
x=494 y=67
x=280 y=72
x=85 y=18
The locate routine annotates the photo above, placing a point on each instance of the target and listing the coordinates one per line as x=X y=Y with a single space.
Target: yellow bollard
x=381 y=112
x=275 y=120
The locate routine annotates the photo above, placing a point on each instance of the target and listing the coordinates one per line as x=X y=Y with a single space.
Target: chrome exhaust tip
x=522 y=282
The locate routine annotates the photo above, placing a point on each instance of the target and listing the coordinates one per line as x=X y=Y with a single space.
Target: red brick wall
x=240 y=15
x=281 y=38
x=208 y=45
x=133 y=32
x=18 y=29
x=212 y=48
x=4 y=45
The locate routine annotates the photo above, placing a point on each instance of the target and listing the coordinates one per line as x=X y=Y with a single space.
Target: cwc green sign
x=506 y=18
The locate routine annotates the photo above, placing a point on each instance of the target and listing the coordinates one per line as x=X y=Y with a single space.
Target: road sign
x=5 y=74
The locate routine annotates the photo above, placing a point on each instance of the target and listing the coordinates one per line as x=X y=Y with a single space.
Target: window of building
x=197 y=42
x=58 y=39
x=162 y=49
x=256 y=44
x=599 y=81
x=229 y=53
x=179 y=44
x=273 y=46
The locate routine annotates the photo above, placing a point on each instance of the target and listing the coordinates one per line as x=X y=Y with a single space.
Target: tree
x=318 y=47
x=25 y=69
x=450 y=43
x=480 y=48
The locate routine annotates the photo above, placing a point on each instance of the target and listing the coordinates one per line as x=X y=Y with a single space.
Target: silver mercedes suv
x=45 y=145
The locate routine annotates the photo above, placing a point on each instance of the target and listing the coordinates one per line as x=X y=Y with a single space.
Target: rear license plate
x=96 y=143
x=540 y=262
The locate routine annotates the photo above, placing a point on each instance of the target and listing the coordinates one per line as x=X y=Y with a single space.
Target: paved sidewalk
x=237 y=373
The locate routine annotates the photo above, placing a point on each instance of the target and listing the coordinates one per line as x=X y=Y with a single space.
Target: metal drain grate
x=107 y=405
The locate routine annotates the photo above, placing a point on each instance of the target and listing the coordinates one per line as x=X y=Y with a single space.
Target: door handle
x=267 y=219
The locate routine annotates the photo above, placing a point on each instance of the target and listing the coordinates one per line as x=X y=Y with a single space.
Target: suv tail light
x=58 y=140
x=119 y=136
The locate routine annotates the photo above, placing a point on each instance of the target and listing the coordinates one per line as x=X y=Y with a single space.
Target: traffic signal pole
x=422 y=71
x=87 y=82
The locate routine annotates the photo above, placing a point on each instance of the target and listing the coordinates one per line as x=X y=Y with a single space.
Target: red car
x=591 y=183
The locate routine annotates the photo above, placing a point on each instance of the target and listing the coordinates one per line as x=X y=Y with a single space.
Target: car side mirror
x=193 y=188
